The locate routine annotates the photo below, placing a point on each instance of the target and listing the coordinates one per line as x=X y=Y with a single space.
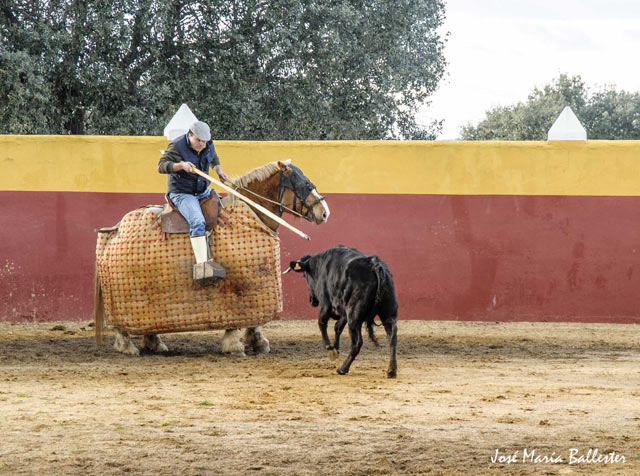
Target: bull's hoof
x=333 y=355
x=341 y=371
x=391 y=374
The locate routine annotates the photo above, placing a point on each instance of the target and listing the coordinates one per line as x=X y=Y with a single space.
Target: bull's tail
x=98 y=310
x=380 y=275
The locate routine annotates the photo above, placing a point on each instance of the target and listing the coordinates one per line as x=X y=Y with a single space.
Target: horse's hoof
x=154 y=344
x=233 y=347
x=124 y=345
x=262 y=347
x=128 y=350
x=333 y=355
x=341 y=371
x=391 y=374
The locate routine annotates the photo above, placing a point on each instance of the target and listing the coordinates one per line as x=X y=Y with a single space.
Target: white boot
x=205 y=271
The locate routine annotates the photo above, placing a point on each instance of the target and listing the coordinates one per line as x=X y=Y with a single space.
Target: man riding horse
x=186 y=190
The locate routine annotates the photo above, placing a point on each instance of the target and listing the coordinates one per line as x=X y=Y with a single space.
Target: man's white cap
x=201 y=130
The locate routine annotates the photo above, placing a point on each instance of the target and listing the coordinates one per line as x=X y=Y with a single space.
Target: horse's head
x=297 y=193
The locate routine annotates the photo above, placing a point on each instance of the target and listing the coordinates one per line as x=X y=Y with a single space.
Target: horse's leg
x=123 y=343
x=254 y=337
x=153 y=343
x=231 y=343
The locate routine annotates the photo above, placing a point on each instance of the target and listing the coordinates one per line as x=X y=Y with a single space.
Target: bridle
x=287 y=182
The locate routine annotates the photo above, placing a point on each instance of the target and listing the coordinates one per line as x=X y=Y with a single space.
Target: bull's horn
x=285 y=272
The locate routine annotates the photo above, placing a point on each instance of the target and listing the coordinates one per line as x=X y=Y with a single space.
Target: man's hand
x=186 y=166
x=223 y=177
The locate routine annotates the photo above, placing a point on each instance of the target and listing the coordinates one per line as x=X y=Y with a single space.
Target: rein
x=239 y=187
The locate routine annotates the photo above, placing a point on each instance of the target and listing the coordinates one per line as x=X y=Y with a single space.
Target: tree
x=606 y=114
x=254 y=69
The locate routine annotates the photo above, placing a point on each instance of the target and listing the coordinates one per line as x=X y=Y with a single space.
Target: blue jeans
x=189 y=207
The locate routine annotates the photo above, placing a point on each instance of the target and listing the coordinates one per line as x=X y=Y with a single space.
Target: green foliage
x=606 y=114
x=254 y=69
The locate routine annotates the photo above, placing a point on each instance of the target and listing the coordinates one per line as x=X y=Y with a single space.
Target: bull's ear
x=293 y=265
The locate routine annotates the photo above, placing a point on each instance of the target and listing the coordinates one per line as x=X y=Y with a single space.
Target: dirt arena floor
x=545 y=398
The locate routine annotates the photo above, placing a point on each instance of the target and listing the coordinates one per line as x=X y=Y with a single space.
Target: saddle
x=172 y=221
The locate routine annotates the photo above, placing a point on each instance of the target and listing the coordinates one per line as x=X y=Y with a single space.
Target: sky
x=498 y=51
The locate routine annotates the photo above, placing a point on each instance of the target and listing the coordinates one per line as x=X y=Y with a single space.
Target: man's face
x=196 y=144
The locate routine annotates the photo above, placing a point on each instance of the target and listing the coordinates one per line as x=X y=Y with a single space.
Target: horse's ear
x=284 y=166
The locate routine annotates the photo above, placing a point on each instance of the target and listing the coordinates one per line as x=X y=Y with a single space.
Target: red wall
x=462 y=257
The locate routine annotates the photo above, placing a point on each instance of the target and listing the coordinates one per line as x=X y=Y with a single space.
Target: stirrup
x=208 y=273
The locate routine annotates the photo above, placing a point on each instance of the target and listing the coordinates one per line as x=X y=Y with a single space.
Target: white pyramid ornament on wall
x=180 y=123
x=567 y=127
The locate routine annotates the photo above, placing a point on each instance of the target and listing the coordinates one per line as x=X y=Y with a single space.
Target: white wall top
x=567 y=127
x=179 y=123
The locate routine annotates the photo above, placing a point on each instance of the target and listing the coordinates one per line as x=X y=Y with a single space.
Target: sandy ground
x=464 y=391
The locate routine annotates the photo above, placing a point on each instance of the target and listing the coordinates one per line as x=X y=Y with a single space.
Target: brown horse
x=279 y=187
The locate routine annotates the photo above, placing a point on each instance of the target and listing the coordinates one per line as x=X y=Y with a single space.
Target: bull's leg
x=323 y=319
x=253 y=337
x=153 y=343
x=123 y=343
x=372 y=334
x=355 y=332
x=231 y=343
x=337 y=329
x=391 y=327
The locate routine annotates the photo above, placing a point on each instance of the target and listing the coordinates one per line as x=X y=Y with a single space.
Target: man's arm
x=172 y=161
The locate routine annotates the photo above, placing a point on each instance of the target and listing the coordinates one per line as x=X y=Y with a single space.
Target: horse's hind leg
x=254 y=338
x=153 y=343
x=123 y=343
x=231 y=343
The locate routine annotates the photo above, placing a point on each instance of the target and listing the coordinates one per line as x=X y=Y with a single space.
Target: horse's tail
x=98 y=309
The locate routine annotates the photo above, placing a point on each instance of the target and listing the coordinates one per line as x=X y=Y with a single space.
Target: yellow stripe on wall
x=129 y=165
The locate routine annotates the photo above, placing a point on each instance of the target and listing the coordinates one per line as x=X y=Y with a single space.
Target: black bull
x=351 y=287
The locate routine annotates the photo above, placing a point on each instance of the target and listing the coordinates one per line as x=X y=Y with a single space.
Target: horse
x=277 y=186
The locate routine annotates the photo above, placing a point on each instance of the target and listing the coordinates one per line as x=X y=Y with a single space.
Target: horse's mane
x=259 y=174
